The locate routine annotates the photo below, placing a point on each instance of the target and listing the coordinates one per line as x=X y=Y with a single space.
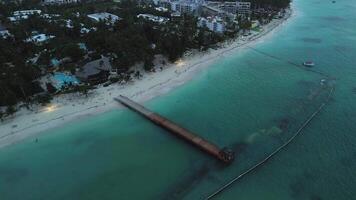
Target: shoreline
x=70 y=107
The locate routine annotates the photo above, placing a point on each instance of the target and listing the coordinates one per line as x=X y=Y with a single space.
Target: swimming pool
x=83 y=46
x=63 y=79
x=55 y=62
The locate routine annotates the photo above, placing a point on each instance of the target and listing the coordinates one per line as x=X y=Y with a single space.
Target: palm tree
x=19 y=82
x=10 y=110
x=1 y=115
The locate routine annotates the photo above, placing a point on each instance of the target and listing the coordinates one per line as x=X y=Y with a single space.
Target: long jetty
x=223 y=154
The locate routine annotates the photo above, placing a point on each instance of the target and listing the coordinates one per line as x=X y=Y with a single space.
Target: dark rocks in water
x=348 y=161
x=315 y=197
x=296 y=189
x=239 y=147
x=333 y=18
x=303 y=27
x=303 y=185
x=312 y=40
x=354 y=90
x=307 y=84
x=308 y=175
x=299 y=187
x=284 y=124
x=13 y=175
x=213 y=179
x=342 y=48
x=179 y=189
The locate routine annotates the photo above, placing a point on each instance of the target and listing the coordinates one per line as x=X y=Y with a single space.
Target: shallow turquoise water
x=247 y=101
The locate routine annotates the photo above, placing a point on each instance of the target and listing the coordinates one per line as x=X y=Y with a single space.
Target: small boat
x=309 y=64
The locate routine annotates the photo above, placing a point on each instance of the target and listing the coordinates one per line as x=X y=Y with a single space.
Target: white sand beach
x=69 y=107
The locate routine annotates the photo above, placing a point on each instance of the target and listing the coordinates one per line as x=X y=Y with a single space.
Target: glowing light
x=50 y=108
x=179 y=63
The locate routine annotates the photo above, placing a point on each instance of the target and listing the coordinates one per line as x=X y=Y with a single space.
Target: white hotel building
x=59 y=2
x=215 y=24
x=243 y=7
x=182 y=6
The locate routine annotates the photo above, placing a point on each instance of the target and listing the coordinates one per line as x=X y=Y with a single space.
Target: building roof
x=176 y=14
x=104 y=16
x=94 y=67
x=39 y=38
x=59 y=1
x=153 y=18
x=161 y=9
x=26 y=12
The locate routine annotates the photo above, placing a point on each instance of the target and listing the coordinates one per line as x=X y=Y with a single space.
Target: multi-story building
x=230 y=7
x=182 y=6
x=215 y=24
x=59 y=2
x=243 y=7
x=212 y=10
x=236 y=7
x=26 y=12
x=39 y=39
x=4 y=33
x=23 y=14
x=157 y=19
x=186 y=6
x=104 y=16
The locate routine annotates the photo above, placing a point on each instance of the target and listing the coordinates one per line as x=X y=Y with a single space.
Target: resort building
x=23 y=14
x=4 y=33
x=84 y=30
x=215 y=24
x=176 y=16
x=68 y=23
x=230 y=7
x=212 y=10
x=243 y=8
x=255 y=24
x=235 y=7
x=157 y=19
x=186 y=6
x=26 y=12
x=104 y=16
x=182 y=6
x=50 y=16
x=161 y=9
x=96 y=71
x=39 y=38
x=59 y=2
x=221 y=9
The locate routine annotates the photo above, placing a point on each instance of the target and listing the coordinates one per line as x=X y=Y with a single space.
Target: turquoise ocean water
x=247 y=101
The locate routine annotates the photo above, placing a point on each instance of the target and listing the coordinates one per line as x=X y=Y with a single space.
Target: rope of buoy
x=253 y=168
x=289 y=62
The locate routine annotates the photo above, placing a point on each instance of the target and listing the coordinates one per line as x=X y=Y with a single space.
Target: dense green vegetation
x=16 y=77
x=129 y=41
